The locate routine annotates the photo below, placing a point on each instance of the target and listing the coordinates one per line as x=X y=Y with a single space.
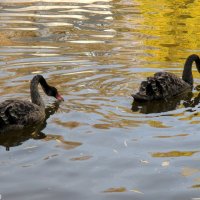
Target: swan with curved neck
x=165 y=85
x=49 y=90
x=19 y=113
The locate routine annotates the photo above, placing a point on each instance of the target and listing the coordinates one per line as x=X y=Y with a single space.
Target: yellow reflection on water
x=102 y=126
x=196 y=186
x=81 y=158
x=120 y=189
x=173 y=154
x=157 y=124
x=173 y=26
x=5 y=40
x=71 y=124
x=172 y=136
x=61 y=142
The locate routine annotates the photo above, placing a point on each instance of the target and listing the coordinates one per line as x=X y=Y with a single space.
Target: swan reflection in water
x=12 y=138
x=186 y=99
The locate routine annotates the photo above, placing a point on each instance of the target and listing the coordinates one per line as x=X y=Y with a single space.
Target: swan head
x=52 y=91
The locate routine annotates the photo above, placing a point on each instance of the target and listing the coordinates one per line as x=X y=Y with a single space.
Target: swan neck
x=35 y=95
x=187 y=72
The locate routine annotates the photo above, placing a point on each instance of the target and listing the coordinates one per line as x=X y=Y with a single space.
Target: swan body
x=165 y=85
x=20 y=113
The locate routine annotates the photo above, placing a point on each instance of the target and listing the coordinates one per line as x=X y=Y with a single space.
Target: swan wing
x=162 y=85
x=19 y=112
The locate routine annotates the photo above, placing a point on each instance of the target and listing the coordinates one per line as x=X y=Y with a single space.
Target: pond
x=97 y=52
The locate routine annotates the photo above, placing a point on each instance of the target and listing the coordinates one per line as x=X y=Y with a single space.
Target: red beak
x=59 y=97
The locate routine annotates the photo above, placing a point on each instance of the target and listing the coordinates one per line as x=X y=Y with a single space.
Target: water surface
x=96 y=53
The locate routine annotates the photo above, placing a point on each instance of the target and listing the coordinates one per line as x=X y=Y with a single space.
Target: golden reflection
x=12 y=35
x=102 y=126
x=9 y=38
x=61 y=142
x=172 y=136
x=195 y=122
x=196 y=186
x=48 y=21
x=120 y=123
x=81 y=158
x=12 y=89
x=191 y=116
x=22 y=86
x=71 y=125
x=5 y=40
x=173 y=27
x=157 y=124
x=173 y=154
x=120 y=189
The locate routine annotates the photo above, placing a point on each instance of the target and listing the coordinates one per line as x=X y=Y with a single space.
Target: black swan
x=18 y=114
x=164 y=85
x=12 y=137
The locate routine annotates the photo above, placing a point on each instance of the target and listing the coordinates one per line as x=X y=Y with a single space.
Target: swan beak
x=59 y=97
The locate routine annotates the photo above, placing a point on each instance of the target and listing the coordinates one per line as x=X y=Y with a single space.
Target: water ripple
x=96 y=53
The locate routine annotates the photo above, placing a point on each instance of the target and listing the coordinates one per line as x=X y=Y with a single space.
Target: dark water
x=96 y=53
